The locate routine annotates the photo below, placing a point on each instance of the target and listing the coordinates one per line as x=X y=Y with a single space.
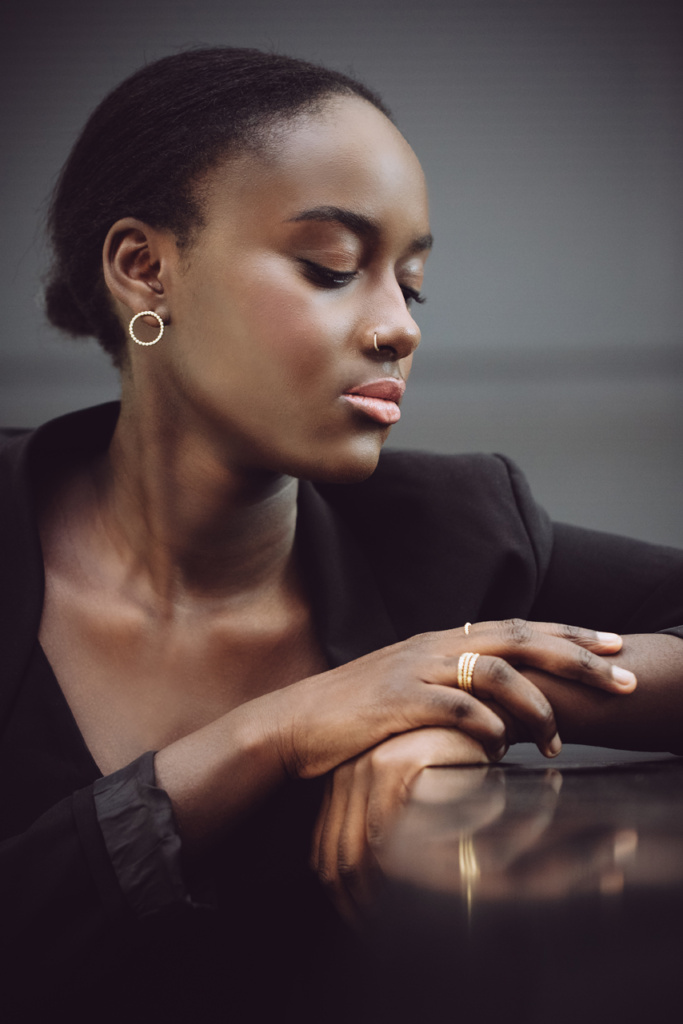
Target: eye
x=412 y=295
x=326 y=277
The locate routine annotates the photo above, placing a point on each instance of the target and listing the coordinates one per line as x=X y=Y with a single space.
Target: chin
x=351 y=465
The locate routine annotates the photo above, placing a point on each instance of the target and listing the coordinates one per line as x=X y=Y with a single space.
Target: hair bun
x=64 y=312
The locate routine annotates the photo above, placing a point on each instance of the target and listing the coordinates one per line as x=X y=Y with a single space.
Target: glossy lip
x=389 y=388
x=378 y=399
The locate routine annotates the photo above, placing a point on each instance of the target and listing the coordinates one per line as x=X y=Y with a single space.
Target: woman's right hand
x=324 y=720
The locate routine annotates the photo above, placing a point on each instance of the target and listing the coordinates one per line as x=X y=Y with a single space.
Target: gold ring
x=468 y=627
x=470 y=871
x=466 y=663
x=467 y=858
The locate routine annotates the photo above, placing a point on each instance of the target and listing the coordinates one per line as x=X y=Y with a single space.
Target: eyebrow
x=359 y=224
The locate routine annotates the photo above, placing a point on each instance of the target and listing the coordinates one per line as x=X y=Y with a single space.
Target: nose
x=396 y=334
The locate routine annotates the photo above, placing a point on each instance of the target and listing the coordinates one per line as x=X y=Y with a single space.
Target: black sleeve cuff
x=136 y=819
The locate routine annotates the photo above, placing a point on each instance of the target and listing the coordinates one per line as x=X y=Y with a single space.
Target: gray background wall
x=550 y=131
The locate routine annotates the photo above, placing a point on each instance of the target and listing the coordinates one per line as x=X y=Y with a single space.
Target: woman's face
x=309 y=247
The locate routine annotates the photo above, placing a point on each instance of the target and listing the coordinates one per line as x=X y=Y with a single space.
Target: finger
x=393 y=778
x=318 y=828
x=521 y=643
x=444 y=705
x=329 y=823
x=435 y=787
x=596 y=640
x=356 y=866
x=579 y=664
x=329 y=864
x=495 y=679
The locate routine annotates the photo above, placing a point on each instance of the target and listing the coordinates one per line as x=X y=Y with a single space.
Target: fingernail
x=623 y=676
x=555 y=745
x=607 y=638
x=500 y=752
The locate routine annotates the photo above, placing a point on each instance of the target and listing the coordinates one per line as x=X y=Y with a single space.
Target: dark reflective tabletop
x=537 y=890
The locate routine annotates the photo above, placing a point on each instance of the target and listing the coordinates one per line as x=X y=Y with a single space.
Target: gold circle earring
x=146 y=312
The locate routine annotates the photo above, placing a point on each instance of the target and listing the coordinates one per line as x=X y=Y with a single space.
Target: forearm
x=650 y=718
x=214 y=775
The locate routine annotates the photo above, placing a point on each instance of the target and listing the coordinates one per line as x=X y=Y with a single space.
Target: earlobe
x=132 y=264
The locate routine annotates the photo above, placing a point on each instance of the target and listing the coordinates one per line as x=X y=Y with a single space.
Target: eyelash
x=325 y=277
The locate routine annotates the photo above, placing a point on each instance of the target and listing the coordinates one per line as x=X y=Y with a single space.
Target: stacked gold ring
x=466 y=663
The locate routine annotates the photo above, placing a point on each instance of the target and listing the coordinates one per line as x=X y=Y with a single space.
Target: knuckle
x=380 y=757
x=326 y=877
x=498 y=672
x=419 y=641
x=347 y=869
x=545 y=715
x=571 y=633
x=517 y=631
x=375 y=834
x=497 y=731
x=462 y=706
x=587 y=661
x=448 y=664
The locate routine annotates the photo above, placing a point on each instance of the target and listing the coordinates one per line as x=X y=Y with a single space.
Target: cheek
x=264 y=338
x=289 y=328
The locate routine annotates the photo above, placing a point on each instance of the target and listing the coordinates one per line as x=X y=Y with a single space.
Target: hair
x=145 y=148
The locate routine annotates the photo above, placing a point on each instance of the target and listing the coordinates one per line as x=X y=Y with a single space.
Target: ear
x=134 y=263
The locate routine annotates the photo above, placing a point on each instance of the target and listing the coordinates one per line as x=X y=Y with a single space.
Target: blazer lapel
x=21 y=564
x=349 y=613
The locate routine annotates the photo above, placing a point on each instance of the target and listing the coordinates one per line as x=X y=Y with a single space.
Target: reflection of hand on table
x=361 y=801
x=463 y=834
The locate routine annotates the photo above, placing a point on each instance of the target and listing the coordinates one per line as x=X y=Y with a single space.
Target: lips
x=378 y=399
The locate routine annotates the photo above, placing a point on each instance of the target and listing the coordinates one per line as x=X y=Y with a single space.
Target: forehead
x=345 y=154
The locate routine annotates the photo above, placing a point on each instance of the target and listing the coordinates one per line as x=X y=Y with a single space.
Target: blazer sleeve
x=601 y=580
x=88 y=882
x=60 y=899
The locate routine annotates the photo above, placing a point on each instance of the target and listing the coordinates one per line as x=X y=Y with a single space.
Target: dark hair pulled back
x=142 y=151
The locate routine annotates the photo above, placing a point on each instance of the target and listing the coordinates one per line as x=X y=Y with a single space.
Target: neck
x=187 y=524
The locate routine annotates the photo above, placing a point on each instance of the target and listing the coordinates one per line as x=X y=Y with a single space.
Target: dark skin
x=175 y=616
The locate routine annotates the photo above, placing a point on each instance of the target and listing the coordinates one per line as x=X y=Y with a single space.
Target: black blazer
x=427 y=543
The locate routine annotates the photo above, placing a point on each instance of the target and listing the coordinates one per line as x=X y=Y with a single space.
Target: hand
x=327 y=719
x=652 y=717
x=361 y=801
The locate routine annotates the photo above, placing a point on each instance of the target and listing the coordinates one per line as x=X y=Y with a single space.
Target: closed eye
x=326 y=277
x=412 y=295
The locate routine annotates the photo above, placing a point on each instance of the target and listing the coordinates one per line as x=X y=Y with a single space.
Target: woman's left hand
x=361 y=800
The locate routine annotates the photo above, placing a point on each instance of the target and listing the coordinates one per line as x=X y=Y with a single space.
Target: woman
x=216 y=574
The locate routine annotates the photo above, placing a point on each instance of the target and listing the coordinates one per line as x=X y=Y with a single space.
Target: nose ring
x=374 y=342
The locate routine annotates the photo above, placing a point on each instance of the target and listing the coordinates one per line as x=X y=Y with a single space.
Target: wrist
x=215 y=775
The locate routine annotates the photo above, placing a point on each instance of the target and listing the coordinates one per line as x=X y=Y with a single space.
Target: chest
x=135 y=682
